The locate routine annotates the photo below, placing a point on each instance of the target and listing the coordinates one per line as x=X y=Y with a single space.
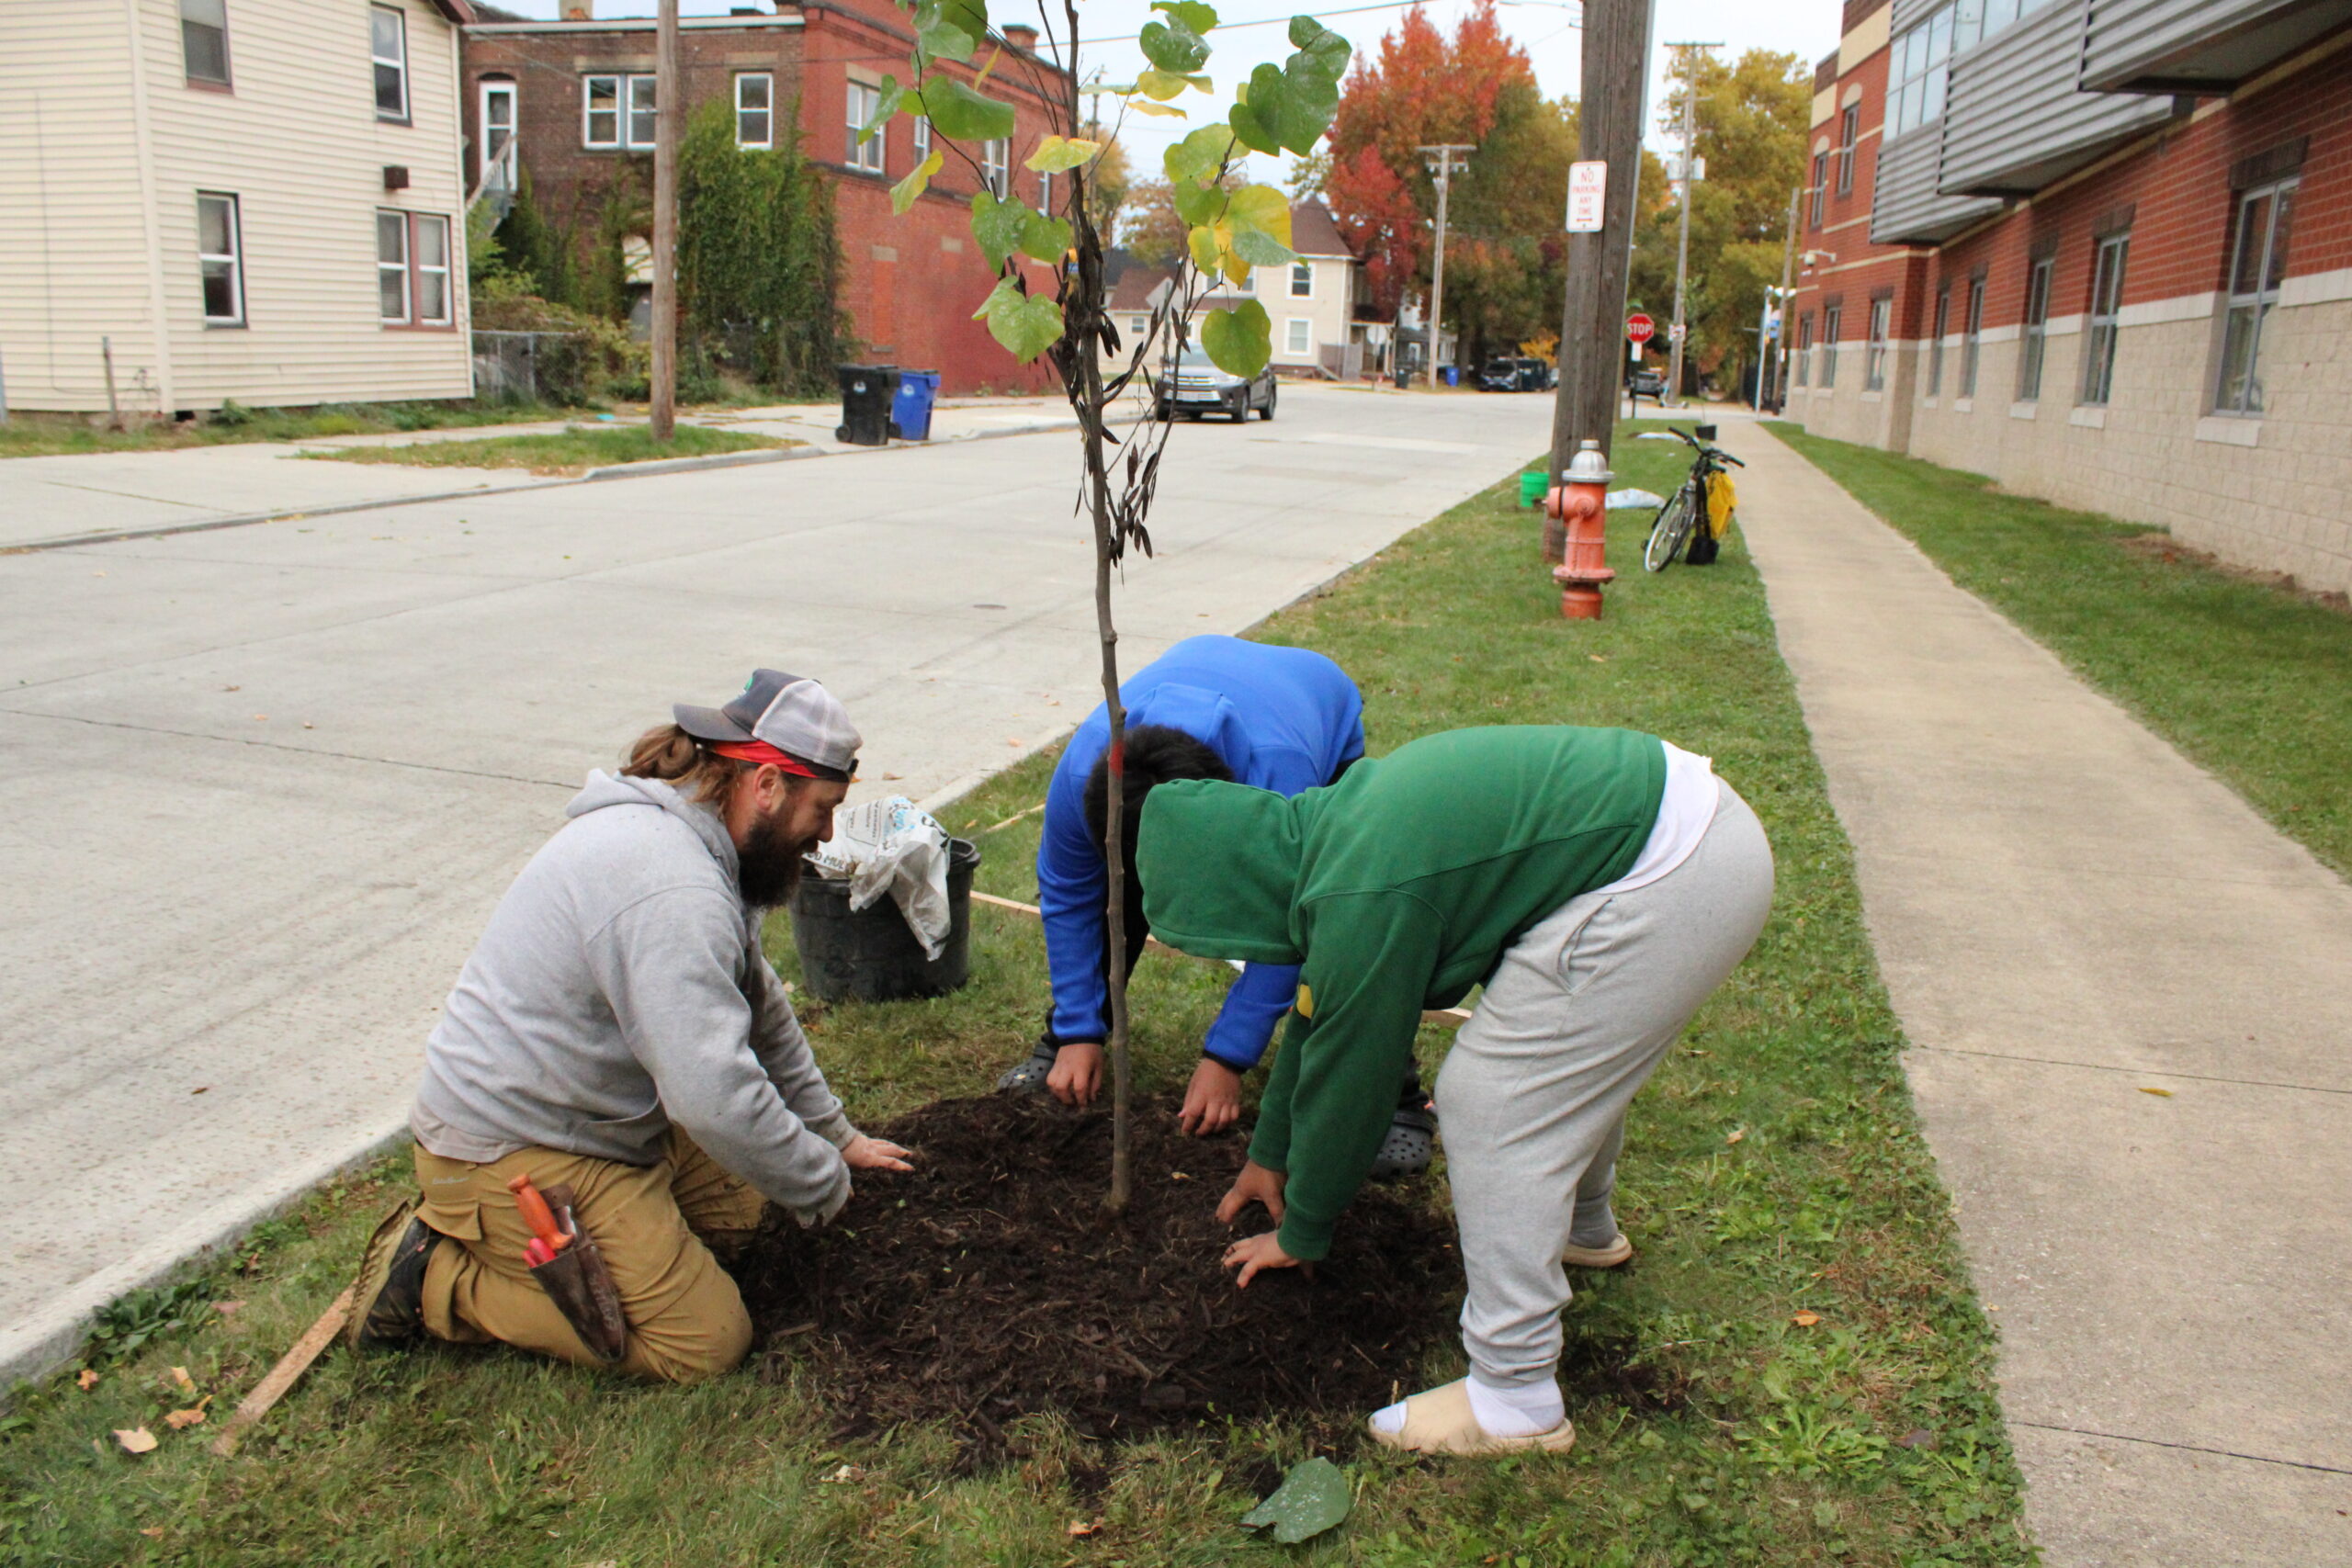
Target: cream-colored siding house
x=1310 y=303
x=252 y=199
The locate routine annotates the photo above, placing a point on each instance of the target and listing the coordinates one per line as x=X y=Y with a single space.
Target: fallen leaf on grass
x=86 y=1379
x=1079 y=1527
x=1805 y=1319
x=181 y=1420
x=181 y=1378
x=845 y=1473
x=1736 y=1134
x=2165 y=1092
x=1312 y=1498
x=135 y=1439
x=227 y=1309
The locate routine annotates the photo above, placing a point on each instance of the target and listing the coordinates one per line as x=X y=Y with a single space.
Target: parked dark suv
x=1647 y=383
x=1194 y=386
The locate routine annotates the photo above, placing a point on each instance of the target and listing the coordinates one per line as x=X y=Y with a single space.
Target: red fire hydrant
x=1582 y=505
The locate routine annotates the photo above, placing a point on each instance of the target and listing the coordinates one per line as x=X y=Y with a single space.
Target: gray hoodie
x=620 y=990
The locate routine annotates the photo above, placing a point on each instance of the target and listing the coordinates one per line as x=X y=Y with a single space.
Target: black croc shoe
x=388 y=1300
x=1410 y=1142
x=1029 y=1075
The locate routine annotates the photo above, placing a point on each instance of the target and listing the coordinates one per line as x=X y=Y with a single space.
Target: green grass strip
x=1774 y=1168
x=573 y=451
x=2248 y=678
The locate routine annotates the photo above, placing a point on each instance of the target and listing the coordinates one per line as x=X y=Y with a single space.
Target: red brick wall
x=1861 y=267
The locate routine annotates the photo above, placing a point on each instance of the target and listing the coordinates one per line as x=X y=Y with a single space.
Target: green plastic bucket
x=1531 y=486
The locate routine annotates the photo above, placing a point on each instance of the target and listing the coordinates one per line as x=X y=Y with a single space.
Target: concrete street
x=263 y=784
x=2125 y=994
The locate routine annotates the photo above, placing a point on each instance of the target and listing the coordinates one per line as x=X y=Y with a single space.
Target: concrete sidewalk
x=2127 y=1001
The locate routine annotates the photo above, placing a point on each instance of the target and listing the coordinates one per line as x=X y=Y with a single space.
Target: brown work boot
x=388 y=1299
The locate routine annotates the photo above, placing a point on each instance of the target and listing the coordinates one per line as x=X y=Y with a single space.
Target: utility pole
x=1592 y=313
x=1683 y=251
x=1443 y=164
x=668 y=119
x=1779 y=357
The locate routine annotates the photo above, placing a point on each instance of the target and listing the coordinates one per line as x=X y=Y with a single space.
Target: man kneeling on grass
x=1600 y=882
x=619 y=1030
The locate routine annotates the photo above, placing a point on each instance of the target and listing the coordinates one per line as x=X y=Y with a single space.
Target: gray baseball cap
x=792 y=712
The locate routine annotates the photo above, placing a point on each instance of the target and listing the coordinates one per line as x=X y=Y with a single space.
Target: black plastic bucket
x=870 y=956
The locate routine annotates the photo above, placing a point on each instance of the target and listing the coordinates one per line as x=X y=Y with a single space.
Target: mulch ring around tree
x=987 y=1286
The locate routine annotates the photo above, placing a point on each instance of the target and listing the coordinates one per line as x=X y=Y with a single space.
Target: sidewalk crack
x=2131 y=1071
x=2186 y=1448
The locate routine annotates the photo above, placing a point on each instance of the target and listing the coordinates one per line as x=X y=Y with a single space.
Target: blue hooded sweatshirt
x=1284 y=719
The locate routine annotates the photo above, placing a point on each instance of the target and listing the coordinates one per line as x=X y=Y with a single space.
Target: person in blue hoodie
x=1280 y=719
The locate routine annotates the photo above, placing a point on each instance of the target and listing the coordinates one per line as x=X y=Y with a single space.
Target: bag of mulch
x=889 y=846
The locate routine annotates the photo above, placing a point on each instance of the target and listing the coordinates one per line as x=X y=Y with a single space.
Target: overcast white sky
x=1548 y=30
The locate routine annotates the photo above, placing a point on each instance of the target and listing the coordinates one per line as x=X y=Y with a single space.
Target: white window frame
x=766 y=111
x=923 y=137
x=1046 y=191
x=234 y=258
x=868 y=154
x=499 y=161
x=1295 y=328
x=631 y=111
x=1138 y=325
x=221 y=7
x=1302 y=271
x=1874 y=355
x=1805 y=349
x=417 y=224
x=400 y=267
x=996 y=167
x=1971 y=343
x=2254 y=305
x=2033 y=339
x=2109 y=255
x=589 y=111
x=1833 y=319
x=399 y=63
x=1916 y=74
x=1849 y=136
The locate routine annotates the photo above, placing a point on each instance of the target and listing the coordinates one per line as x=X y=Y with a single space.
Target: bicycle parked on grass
x=1699 y=514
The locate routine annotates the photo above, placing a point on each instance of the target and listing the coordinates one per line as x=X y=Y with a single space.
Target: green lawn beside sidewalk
x=2248 y=678
x=573 y=450
x=1797 y=1279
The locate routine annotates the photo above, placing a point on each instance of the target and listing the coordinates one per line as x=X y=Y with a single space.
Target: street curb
x=594 y=475
x=54 y=1333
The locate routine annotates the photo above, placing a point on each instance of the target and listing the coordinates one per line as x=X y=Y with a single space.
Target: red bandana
x=761 y=752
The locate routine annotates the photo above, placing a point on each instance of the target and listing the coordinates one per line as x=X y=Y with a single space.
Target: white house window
x=1875 y=359
x=387 y=49
x=2107 y=300
x=644 y=121
x=923 y=137
x=600 y=111
x=1138 y=326
x=1972 y=338
x=864 y=150
x=1298 y=334
x=2037 y=325
x=220 y=258
x=1935 y=344
x=392 y=267
x=431 y=248
x=497 y=136
x=1831 y=319
x=755 y=109
x=996 y=162
x=2257 y=266
x=1850 y=129
x=204 y=41
x=1302 y=280
x=1805 y=350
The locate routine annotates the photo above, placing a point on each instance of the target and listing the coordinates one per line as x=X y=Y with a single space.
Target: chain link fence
x=532 y=368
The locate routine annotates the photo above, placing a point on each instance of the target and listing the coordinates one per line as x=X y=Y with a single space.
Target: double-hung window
x=2257 y=267
x=1299 y=335
x=387 y=52
x=1831 y=319
x=219 y=259
x=1805 y=350
x=864 y=150
x=1302 y=280
x=497 y=136
x=1850 y=130
x=412 y=272
x=1875 y=356
x=923 y=137
x=617 y=111
x=204 y=41
x=1971 y=336
x=2037 y=329
x=1935 y=344
x=2107 y=301
x=996 y=166
x=755 y=109
x=1820 y=186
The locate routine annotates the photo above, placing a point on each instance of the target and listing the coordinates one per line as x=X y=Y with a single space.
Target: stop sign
x=1639 y=328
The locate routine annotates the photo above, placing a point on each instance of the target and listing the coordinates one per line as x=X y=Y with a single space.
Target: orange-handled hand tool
x=536 y=1214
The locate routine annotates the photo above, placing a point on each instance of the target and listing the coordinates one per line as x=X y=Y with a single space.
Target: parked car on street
x=1516 y=373
x=1647 y=383
x=1194 y=386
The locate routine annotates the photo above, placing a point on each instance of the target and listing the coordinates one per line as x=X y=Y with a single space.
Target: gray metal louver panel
x=2016 y=121
x=2197 y=45
x=1905 y=207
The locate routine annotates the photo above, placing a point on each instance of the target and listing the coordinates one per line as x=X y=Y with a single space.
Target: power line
x=1358 y=10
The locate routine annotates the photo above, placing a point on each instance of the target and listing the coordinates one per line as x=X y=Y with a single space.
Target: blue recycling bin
x=1453 y=375
x=911 y=409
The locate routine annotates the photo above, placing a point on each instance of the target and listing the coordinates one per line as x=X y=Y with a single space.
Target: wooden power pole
x=1608 y=130
x=669 y=120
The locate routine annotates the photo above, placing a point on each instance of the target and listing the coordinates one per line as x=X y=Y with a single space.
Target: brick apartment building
x=573 y=102
x=2099 y=250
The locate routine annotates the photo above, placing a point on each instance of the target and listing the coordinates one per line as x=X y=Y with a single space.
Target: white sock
x=1514 y=1412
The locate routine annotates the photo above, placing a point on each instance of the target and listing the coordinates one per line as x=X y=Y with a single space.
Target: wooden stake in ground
x=669 y=119
x=290 y=1368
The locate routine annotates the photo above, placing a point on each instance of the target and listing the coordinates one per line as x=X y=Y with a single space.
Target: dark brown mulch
x=987 y=1286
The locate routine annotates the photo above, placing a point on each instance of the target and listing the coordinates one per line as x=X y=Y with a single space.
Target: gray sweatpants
x=1532 y=1098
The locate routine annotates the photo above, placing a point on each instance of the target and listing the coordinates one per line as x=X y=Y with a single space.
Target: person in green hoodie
x=1600 y=882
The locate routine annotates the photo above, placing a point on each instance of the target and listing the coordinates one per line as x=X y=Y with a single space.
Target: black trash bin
x=867 y=391
x=870 y=956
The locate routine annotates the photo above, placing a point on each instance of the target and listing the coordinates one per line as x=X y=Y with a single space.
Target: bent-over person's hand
x=1077 y=1076
x=863 y=1153
x=1256 y=1184
x=1212 y=1101
x=1253 y=1254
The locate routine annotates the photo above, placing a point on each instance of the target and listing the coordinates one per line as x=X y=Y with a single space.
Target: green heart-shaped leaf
x=1191 y=13
x=1241 y=341
x=998 y=225
x=904 y=194
x=1198 y=204
x=1315 y=1496
x=1047 y=239
x=963 y=115
x=1026 y=324
x=1056 y=153
x=1321 y=51
x=1201 y=156
x=1172 y=46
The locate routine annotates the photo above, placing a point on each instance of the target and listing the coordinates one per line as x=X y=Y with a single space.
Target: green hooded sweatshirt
x=1396 y=888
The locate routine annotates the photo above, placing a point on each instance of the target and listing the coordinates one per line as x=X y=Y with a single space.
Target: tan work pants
x=686 y=1318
